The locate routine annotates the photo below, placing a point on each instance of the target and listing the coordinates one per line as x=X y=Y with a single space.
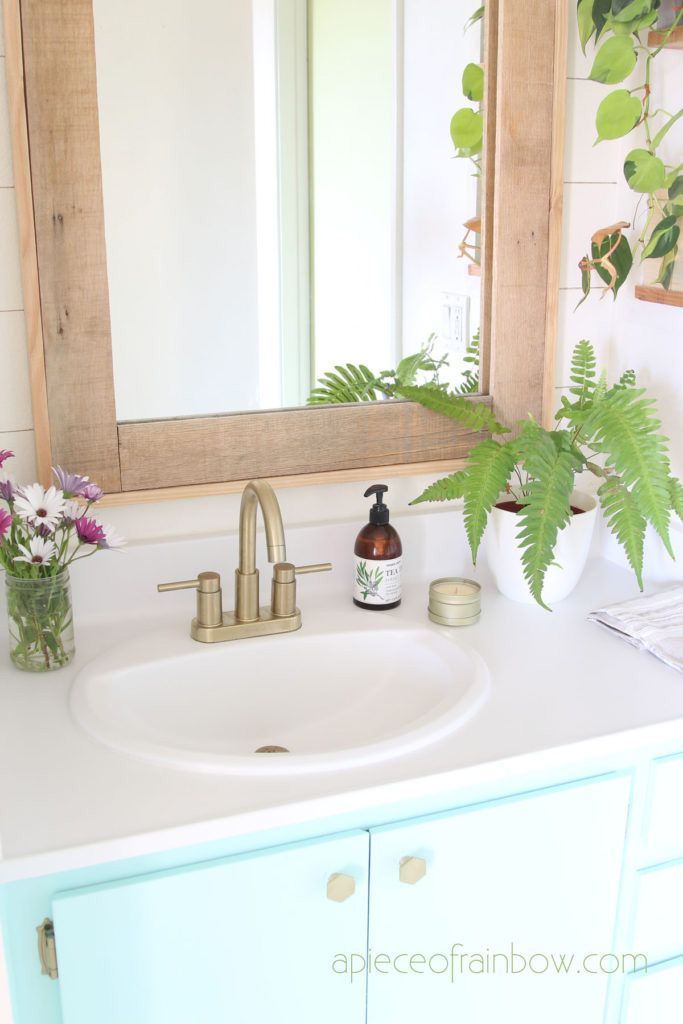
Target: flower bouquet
x=42 y=533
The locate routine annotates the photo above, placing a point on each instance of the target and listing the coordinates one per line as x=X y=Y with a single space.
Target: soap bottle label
x=377 y=582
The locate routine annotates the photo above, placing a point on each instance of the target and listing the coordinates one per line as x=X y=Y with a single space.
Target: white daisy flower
x=113 y=540
x=72 y=510
x=39 y=551
x=40 y=507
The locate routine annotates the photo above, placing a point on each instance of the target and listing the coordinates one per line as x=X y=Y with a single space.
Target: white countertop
x=561 y=688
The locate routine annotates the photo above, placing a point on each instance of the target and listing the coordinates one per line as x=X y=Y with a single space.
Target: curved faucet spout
x=259 y=492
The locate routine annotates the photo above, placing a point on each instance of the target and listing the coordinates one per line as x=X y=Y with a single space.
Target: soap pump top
x=379 y=513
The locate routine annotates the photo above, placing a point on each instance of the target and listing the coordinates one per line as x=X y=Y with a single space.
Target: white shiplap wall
x=591 y=200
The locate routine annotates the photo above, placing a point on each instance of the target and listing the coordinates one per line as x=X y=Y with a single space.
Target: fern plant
x=611 y=431
x=356 y=383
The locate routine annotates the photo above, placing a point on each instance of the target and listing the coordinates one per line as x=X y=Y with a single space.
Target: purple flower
x=7 y=489
x=91 y=492
x=5 y=522
x=89 y=531
x=4 y=456
x=71 y=483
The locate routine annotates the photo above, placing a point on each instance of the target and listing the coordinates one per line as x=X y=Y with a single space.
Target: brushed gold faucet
x=213 y=625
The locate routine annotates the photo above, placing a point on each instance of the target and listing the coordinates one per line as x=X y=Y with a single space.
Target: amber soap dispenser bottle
x=378 y=557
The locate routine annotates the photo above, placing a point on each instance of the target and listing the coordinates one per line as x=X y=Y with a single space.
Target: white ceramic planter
x=571 y=552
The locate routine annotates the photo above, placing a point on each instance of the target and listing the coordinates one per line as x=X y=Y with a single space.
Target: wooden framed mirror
x=74 y=282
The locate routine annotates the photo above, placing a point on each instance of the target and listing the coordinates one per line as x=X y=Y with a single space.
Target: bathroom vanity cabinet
x=283 y=933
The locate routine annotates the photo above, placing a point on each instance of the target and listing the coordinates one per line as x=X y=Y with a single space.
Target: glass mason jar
x=41 y=632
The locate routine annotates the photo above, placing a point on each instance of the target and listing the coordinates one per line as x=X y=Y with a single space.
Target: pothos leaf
x=629 y=28
x=477 y=16
x=666 y=271
x=675 y=190
x=644 y=171
x=467 y=128
x=617 y=115
x=614 y=61
x=473 y=82
x=612 y=259
x=601 y=9
x=663 y=238
x=626 y=10
x=584 y=18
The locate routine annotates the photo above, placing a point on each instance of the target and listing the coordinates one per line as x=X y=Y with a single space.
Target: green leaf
x=477 y=16
x=627 y=10
x=582 y=373
x=585 y=269
x=625 y=429
x=667 y=267
x=675 y=190
x=625 y=521
x=614 y=61
x=643 y=171
x=473 y=82
x=547 y=509
x=663 y=238
x=410 y=366
x=348 y=384
x=449 y=488
x=617 y=115
x=676 y=491
x=627 y=28
x=467 y=128
x=614 y=268
x=488 y=470
x=584 y=18
x=657 y=141
x=474 y=415
x=601 y=10
x=627 y=379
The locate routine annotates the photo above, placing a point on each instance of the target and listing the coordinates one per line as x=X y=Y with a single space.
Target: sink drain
x=271 y=748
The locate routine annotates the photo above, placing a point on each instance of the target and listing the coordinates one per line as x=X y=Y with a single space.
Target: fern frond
x=600 y=387
x=582 y=373
x=624 y=428
x=627 y=379
x=350 y=383
x=470 y=375
x=547 y=509
x=676 y=491
x=625 y=521
x=448 y=488
x=475 y=415
x=488 y=470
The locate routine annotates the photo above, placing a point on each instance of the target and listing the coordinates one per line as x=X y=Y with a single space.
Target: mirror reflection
x=287 y=220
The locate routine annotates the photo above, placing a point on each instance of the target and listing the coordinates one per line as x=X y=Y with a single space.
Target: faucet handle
x=285 y=572
x=209 y=596
x=283 y=601
x=301 y=570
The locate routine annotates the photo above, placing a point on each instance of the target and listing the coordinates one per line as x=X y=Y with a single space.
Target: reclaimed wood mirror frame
x=50 y=64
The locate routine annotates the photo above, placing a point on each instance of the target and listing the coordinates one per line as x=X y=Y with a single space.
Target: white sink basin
x=333 y=700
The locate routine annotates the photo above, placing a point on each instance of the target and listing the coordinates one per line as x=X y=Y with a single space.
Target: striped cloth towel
x=653 y=622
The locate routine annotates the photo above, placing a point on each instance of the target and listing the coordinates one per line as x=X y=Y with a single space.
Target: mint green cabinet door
x=494 y=896
x=655 y=996
x=246 y=940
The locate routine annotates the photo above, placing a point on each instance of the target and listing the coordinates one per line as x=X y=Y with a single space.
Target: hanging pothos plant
x=467 y=134
x=617 y=28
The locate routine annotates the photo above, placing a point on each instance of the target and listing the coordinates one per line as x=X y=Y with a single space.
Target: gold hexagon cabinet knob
x=340 y=887
x=412 y=869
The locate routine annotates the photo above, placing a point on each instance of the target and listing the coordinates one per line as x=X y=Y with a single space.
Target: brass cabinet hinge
x=47 y=948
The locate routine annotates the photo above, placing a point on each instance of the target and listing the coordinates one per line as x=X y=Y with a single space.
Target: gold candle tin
x=454 y=601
